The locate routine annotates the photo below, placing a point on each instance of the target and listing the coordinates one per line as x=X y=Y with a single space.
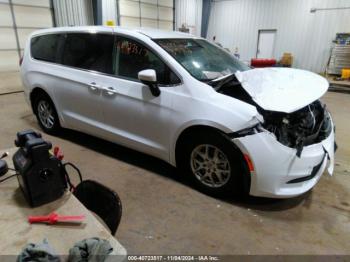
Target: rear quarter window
x=44 y=47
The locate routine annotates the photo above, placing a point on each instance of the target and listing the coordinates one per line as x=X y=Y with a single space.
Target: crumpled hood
x=282 y=89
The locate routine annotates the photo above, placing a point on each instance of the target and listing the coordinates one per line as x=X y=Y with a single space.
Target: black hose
x=3 y=180
x=74 y=167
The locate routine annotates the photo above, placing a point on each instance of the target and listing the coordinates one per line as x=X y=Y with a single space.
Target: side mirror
x=149 y=78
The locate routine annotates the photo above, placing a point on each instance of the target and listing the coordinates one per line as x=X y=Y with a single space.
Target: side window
x=132 y=57
x=45 y=47
x=89 y=51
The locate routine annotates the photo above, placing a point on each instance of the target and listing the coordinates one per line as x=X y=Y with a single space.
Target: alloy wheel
x=46 y=115
x=210 y=166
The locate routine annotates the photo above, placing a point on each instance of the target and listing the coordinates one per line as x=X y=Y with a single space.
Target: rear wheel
x=215 y=165
x=46 y=114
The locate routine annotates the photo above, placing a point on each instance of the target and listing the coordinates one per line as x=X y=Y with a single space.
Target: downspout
x=205 y=17
x=97 y=11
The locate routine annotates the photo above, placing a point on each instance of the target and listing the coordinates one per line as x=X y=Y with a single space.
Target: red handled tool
x=54 y=218
x=58 y=153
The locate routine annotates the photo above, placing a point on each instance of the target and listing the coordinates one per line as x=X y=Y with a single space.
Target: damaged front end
x=309 y=125
x=295 y=140
x=301 y=124
x=288 y=152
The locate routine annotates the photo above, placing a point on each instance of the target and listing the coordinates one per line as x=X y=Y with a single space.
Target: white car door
x=86 y=60
x=134 y=116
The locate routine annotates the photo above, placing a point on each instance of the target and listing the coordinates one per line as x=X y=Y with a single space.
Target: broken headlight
x=309 y=125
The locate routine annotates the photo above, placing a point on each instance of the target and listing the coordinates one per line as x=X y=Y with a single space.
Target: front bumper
x=278 y=171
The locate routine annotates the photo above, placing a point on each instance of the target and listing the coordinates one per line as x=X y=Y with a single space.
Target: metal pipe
x=314 y=9
x=54 y=24
x=25 y=5
x=15 y=29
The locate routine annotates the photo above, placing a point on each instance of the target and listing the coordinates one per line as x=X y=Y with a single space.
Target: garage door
x=18 y=18
x=147 y=13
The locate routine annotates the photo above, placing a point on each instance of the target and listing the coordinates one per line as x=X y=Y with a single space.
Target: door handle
x=110 y=91
x=94 y=87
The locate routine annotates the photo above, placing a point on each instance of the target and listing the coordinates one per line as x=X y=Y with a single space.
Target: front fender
x=204 y=123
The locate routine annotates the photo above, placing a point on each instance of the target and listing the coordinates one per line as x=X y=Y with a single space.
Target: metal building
x=18 y=18
x=304 y=28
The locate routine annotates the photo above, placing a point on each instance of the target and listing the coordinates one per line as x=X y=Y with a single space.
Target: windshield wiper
x=220 y=78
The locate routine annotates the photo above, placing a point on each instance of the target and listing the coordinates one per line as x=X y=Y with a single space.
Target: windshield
x=202 y=59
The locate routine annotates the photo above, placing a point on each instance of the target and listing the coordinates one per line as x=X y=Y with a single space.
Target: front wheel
x=215 y=165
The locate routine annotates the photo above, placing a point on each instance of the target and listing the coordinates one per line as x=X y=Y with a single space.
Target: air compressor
x=41 y=175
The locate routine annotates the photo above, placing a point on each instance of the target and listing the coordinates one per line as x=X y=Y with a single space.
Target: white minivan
x=185 y=100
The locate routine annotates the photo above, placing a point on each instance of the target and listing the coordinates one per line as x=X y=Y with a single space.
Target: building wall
x=17 y=25
x=306 y=35
x=109 y=11
x=189 y=13
x=73 y=13
x=147 y=13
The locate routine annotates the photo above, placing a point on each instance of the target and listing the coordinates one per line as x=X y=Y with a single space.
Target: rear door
x=86 y=65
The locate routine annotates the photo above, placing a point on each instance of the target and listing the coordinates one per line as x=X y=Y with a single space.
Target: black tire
x=238 y=182
x=52 y=128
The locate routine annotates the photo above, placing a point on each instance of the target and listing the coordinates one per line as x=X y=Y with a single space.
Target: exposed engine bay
x=306 y=126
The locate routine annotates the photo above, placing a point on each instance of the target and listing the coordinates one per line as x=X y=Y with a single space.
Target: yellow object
x=110 y=23
x=287 y=59
x=345 y=73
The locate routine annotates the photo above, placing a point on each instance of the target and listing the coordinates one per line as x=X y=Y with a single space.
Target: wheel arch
x=39 y=90
x=192 y=130
x=36 y=91
x=187 y=133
